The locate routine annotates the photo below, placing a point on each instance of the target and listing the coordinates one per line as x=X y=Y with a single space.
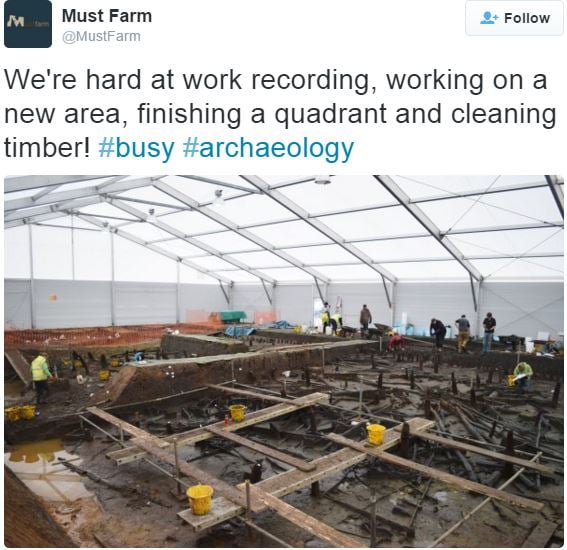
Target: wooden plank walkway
x=438 y=474
x=259 y=499
x=19 y=364
x=484 y=452
x=540 y=535
x=263 y=449
x=191 y=437
x=294 y=480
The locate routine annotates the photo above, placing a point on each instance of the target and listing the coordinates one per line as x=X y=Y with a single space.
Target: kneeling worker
x=336 y=322
x=396 y=342
x=40 y=376
x=523 y=373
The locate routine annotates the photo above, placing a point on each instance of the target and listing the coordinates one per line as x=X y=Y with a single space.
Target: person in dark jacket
x=365 y=320
x=489 y=323
x=437 y=329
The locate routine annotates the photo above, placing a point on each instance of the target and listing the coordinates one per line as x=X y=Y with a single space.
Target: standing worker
x=523 y=373
x=438 y=329
x=464 y=328
x=365 y=320
x=40 y=375
x=325 y=317
x=489 y=323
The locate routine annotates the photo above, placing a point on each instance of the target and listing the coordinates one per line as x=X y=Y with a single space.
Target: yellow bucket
x=27 y=412
x=297 y=329
x=115 y=362
x=511 y=379
x=375 y=434
x=12 y=413
x=200 y=499
x=103 y=375
x=237 y=412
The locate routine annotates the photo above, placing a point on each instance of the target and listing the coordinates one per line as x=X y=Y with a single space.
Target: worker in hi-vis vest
x=40 y=376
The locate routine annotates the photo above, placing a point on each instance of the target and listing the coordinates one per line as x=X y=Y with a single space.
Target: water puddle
x=39 y=466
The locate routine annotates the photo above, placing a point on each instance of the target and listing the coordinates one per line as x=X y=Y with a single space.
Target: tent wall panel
x=251 y=298
x=17 y=311
x=197 y=301
x=524 y=308
x=294 y=303
x=65 y=304
x=145 y=303
x=423 y=301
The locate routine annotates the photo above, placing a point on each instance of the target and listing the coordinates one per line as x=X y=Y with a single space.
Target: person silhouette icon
x=487 y=18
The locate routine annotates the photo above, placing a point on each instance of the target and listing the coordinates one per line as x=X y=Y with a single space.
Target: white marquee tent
x=407 y=245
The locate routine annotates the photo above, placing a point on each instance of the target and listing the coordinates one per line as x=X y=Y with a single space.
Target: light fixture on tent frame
x=151 y=216
x=322 y=180
x=219 y=199
x=106 y=227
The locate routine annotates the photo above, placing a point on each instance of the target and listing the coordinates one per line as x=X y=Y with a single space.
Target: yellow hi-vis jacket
x=40 y=369
x=325 y=316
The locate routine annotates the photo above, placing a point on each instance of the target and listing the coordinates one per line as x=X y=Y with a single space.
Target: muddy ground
x=136 y=506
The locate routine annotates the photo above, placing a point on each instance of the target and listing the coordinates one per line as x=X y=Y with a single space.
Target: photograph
x=283 y=361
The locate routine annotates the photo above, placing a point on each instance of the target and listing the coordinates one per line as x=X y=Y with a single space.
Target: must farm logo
x=27 y=24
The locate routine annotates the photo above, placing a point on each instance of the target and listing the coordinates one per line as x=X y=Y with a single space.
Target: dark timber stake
x=412 y=380
x=315 y=489
x=380 y=380
x=492 y=430
x=477 y=379
x=427 y=405
x=420 y=361
x=454 y=389
x=404 y=440
x=490 y=375
x=556 y=392
x=312 y=420
x=473 y=397
x=373 y=360
x=436 y=363
x=307 y=376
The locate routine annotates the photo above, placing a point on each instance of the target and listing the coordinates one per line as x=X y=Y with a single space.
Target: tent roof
x=276 y=228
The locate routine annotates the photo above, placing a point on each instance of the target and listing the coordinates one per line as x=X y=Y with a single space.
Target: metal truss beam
x=211 y=214
x=390 y=185
x=128 y=236
x=44 y=213
x=270 y=298
x=190 y=240
x=24 y=183
x=557 y=191
x=64 y=196
x=295 y=209
x=424 y=260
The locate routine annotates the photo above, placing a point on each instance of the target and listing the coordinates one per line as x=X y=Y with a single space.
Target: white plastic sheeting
x=504 y=227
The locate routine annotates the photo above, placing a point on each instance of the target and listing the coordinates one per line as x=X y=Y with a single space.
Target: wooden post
x=436 y=362
x=412 y=380
x=176 y=465
x=406 y=373
x=307 y=376
x=473 y=397
x=373 y=360
x=492 y=430
x=427 y=404
x=477 y=379
x=420 y=361
x=454 y=388
x=312 y=420
x=315 y=489
x=556 y=393
x=490 y=375
x=404 y=440
x=380 y=380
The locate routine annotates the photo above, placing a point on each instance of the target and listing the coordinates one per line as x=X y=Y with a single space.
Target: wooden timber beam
x=263 y=449
x=191 y=437
x=426 y=436
x=438 y=474
x=294 y=480
x=305 y=521
x=248 y=393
